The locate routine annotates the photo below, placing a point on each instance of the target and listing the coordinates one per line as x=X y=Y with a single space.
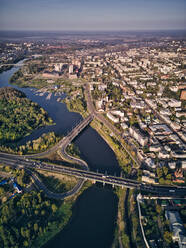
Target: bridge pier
x=112 y=185
x=103 y=183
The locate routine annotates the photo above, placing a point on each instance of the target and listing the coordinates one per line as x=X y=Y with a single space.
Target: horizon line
x=84 y=30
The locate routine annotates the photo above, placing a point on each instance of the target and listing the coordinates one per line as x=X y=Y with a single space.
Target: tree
x=7 y=168
x=40 y=230
x=20 y=180
x=125 y=240
x=158 y=208
x=22 y=232
x=36 y=212
x=161 y=181
x=54 y=208
x=165 y=170
x=43 y=212
x=159 y=172
x=26 y=244
x=12 y=240
x=27 y=233
x=167 y=237
x=36 y=227
x=183 y=212
x=1 y=191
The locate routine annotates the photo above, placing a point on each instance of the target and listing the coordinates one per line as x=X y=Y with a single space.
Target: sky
x=92 y=15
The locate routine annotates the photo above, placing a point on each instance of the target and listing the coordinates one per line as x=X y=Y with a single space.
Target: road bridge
x=65 y=141
x=158 y=190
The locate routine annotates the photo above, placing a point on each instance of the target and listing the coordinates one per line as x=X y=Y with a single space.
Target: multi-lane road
x=171 y=191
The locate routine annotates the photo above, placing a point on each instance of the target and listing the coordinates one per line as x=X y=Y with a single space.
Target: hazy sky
x=92 y=14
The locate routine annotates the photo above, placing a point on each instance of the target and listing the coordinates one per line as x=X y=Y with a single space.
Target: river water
x=94 y=213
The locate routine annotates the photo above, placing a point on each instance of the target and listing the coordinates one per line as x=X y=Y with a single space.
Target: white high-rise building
x=71 y=68
x=58 y=67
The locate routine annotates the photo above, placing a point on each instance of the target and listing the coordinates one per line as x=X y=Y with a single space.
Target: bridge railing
x=80 y=126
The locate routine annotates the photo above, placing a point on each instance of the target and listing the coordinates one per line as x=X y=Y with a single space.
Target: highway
x=22 y=163
x=59 y=196
x=94 y=176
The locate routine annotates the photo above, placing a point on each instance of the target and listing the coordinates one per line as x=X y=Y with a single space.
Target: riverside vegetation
x=19 y=116
x=76 y=100
x=41 y=144
x=30 y=219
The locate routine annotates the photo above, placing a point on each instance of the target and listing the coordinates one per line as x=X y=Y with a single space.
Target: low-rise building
x=178 y=155
x=112 y=118
x=175 y=125
x=173 y=103
x=154 y=148
x=183 y=165
x=176 y=227
x=137 y=104
x=147 y=179
x=118 y=112
x=124 y=125
x=163 y=154
x=172 y=165
x=165 y=112
x=150 y=163
x=99 y=105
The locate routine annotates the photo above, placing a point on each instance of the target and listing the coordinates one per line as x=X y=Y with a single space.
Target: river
x=94 y=213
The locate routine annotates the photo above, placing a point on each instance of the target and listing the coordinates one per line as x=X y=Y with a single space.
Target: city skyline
x=92 y=16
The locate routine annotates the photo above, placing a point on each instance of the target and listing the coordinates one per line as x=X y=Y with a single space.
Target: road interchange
x=159 y=190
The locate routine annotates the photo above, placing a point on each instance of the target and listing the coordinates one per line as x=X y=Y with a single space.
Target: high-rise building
x=71 y=68
x=58 y=67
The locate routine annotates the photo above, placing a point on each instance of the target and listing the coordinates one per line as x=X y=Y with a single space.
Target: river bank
x=38 y=218
x=123 y=159
x=121 y=235
x=77 y=233
x=68 y=203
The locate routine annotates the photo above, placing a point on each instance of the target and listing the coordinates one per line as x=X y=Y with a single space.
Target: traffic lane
x=111 y=180
x=57 y=195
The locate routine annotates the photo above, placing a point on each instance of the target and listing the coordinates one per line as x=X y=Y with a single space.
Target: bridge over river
x=65 y=141
x=158 y=190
